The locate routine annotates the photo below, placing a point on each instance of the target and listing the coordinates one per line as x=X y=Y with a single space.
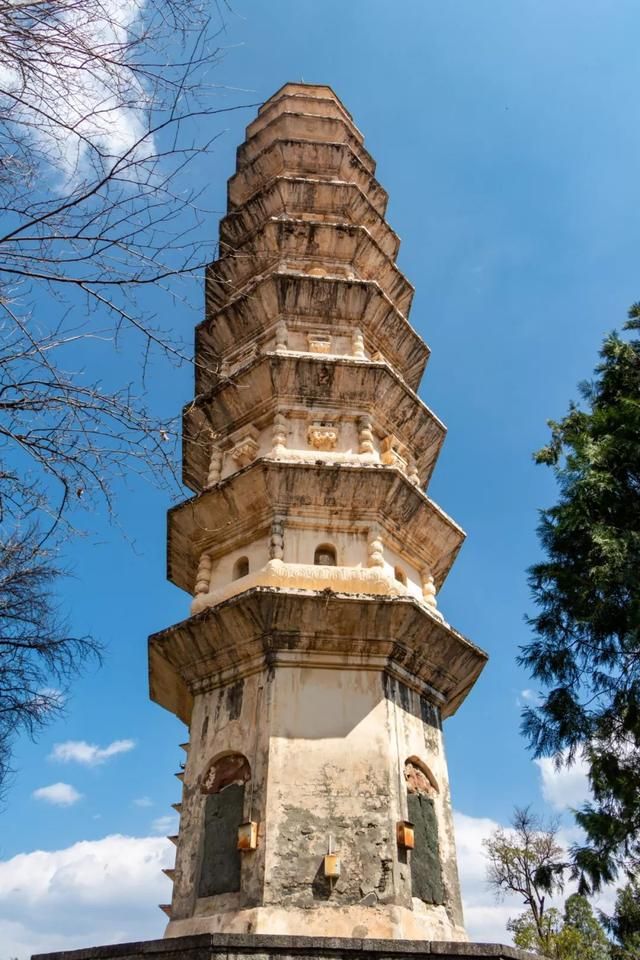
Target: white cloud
x=485 y=918
x=59 y=794
x=564 y=787
x=91 y=108
x=88 y=754
x=93 y=892
x=106 y=891
x=143 y=802
x=167 y=825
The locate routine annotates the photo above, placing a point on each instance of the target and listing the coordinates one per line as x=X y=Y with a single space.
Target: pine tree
x=586 y=651
x=625 y=922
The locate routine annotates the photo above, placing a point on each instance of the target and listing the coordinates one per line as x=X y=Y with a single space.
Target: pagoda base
x=262 y=947
x=382 y=922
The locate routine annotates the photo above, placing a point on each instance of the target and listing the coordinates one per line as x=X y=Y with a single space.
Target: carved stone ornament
x=394 y=454
x=365 y=435
x=282 y=337
x=215 y=466
x=358 y=345
x=319 y=343
x=245 y=448
x=322 y=435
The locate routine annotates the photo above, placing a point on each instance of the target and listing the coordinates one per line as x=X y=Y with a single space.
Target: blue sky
x=507 y=136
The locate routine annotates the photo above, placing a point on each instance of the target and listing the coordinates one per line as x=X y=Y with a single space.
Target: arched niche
x=419 y=777
x=223 y=786
x=325 y=555
x=426 y=869
x=240 y=568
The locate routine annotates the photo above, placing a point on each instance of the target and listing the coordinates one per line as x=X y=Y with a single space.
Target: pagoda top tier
x=306 y=255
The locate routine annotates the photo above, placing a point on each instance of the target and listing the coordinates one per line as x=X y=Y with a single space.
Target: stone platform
x=259 y=947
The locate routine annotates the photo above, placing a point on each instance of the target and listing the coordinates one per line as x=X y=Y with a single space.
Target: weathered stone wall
x=327 y=750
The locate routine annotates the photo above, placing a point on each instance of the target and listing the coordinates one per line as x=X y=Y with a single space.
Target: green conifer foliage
x=586 y=651
x=625 y=922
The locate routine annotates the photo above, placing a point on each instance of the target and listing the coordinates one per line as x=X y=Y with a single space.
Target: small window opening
x=325 y=556
x=241 y=568
x=400 y=575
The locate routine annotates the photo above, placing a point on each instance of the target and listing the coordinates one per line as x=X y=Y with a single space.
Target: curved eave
x=298 y=125
x=304 y=158
x=267 y=627
x=360 y=303
x=310 y=198
x=250 y=498
x=305 y=245
x=284 y=380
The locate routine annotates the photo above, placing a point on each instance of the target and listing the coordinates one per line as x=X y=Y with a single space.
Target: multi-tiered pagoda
x=315 y=670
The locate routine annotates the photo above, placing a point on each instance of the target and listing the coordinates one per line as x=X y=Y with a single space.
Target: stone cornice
x=397 y=635
x=297 y=125
x=313 y=301
x=305 y=102
x=255 y=495
x=308 y=198
x=332 y=161
x=305 y=245
x=282 y=381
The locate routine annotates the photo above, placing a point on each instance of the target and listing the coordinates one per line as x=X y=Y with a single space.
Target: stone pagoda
x=315 y=670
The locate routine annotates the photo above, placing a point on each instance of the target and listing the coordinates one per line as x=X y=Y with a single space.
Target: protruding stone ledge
x=290 y=125
x=249 y=322
x=259 y=947
x=311 y=199
x=328 y=161
x=395 y=635
x=303 y=98
x=250 y=499
x=308 y=246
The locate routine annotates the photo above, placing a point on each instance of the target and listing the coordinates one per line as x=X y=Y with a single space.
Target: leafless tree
x=526 y=860
x=38 y=656
x=105 y=106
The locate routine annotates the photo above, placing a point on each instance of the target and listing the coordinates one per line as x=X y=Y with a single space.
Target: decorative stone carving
x=203 y=577
x=412 y=472
x=358 y=345
x=376 y=548
x=215 y=466
x=319 y=343
x=322 y=434
x=276 y=543
x=279 y=435
x=245 y=448
x=307 y=576
x=365 y=435
x=428 y=588
x=282 y=337
x=394 y=454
